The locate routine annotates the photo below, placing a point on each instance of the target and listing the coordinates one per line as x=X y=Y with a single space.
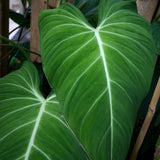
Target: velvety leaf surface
x=100 y=75
x=32 y=127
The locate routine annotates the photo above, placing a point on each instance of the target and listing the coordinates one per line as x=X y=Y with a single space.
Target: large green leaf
x=32 y=127
x=100 y=75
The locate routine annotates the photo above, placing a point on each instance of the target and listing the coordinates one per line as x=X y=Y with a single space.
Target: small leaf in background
x=148 y=146
x=15 y=52
x=88 y=8
x=19 y=18
x=156 y=35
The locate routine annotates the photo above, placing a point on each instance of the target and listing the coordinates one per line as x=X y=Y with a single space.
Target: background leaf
x=156 y=35
x=89 y=8
x=147 y=149
x=32 y=127
x=19 y=18
x=100 y=75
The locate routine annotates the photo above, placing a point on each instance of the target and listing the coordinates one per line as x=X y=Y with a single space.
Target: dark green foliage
x=19 y=18
x=156 y=35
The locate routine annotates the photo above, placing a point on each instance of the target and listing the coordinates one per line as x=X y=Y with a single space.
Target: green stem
x=14 y=30
x=32 y=52
x=26 y=49
x=47 y=5
x=59 y=3
x=16 y=45
x=7 y=45
x=6 y=55
x=157 y=17
x=29 y=29
x=82 y=5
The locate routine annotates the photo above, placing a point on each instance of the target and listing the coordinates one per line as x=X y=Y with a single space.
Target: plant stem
x=82 y=5
x=7 y=45
x=156 y=19
x=47 y=5
x=32 y=52
x=14 y=29
x=26 y=49
x=147 y=121
x=29 y=29
x=6 y=55
x=16 y=45
x=59 y=3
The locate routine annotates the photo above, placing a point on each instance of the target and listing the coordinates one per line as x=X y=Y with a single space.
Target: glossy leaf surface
x=100 y=75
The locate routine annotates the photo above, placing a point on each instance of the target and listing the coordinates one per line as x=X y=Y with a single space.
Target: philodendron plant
x=98 y=77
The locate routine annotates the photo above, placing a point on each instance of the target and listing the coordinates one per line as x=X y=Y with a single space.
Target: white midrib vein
x=31 y=141
x=107 y=80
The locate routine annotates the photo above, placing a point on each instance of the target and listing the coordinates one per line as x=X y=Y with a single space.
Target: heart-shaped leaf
x=100 y=75
x=32 y=127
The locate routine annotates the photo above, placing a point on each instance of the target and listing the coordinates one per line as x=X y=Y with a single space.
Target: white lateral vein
x=8 y=134
x=19 y=86
x=72 y=54
x=68 y=38
x=125 y=57
x=42 y=152
x=17 y=110
x=56 y=117
x=20 y=98
x=92 y=106
x=122 y=90
x=78 y=78
x=20 y=157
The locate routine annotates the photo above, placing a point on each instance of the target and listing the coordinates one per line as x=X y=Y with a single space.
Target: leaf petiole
x=18 y=46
